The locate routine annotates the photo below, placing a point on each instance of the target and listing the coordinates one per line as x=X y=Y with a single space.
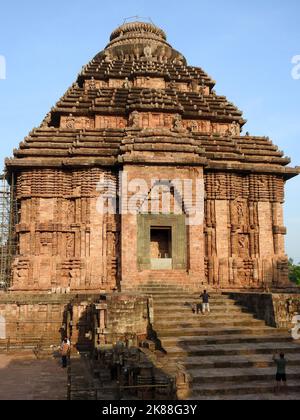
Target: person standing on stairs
x=281 y=372
x=205 y=302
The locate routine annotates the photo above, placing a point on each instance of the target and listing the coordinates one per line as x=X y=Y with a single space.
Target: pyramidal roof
x=139 y=94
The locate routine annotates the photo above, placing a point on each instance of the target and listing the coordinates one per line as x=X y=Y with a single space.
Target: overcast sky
x=246 y=46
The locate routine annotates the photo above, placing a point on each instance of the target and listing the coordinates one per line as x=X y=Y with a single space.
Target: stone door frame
x=177 y=224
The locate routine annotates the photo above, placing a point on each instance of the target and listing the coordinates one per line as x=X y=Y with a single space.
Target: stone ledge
x=276 y=309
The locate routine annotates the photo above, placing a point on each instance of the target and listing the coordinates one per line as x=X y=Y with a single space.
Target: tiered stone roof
x=139 y=73
x=122 y=101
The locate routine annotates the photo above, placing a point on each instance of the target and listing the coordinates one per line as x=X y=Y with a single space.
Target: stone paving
x=24 y=377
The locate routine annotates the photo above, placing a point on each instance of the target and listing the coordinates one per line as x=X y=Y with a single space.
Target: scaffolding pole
x=8 y=221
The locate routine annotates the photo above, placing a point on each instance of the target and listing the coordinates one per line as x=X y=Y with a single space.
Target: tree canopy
x=294 y=272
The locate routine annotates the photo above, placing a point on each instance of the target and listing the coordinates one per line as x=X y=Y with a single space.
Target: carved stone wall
x=122 y=317
x=277 y=310
x=63 y=240
x=244 y=233
x=189 y=274
x=108 y=121
x=146 y=120
x=30 y=319
x=77 y=123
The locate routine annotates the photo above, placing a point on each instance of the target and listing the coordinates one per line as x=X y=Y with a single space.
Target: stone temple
x=138 y=107
x=146 y=135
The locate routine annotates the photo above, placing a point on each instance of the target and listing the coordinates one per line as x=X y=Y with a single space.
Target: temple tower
x=144 y=135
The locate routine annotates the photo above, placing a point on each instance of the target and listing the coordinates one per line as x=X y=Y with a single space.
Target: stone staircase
x=228 y=354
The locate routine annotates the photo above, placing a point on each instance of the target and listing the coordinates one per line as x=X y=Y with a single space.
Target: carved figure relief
x=92 y=84
x=194 y=127
x=87 y=123
x=172 y=85
x=167 y=122
x=243 y=243
x=240 y=212
x=177 y=123
x=134 y=119
x=239 y=216
x=126 y=84
x=148 y=52
x=70 y=245
x=107 y=56
x=110 y=122
x=70 y=122
x=234 y=129
x=194 y=86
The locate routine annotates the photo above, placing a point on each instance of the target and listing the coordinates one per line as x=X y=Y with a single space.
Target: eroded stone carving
x=178 y=124
x=134 y=120
x=148 y=52
x=70 y=122
x=234 y=130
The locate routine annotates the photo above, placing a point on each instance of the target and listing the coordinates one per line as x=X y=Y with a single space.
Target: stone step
x=200 y=331
x=223 y=339
x=200 y=319
x=163 y=325
x=240 y=375
x=186 y=301
x=186 y=308
x=260 y=388
x=180 y=294
x=166 y=306
x=226 y=349
x=230 y=349
x=233 y=362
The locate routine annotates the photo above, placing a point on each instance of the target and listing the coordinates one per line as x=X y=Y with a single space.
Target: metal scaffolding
x=8 y=220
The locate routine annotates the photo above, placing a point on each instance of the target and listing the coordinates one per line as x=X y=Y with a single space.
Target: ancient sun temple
x=138 y=107
x=146 y=135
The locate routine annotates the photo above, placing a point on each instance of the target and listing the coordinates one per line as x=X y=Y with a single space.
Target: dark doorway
x=161 y=243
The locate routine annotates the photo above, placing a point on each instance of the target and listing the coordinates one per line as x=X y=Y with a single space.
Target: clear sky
x=246 y=46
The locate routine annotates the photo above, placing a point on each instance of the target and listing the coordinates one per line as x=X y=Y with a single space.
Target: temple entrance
x=161 y=242
x=161 y=248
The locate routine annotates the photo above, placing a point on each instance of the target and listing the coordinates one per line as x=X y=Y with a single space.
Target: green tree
x=294 y=272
